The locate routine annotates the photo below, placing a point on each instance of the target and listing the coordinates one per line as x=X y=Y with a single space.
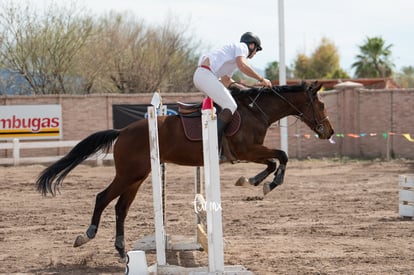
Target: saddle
x=190 y=114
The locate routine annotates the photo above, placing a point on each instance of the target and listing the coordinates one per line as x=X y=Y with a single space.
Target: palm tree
x=373 y=61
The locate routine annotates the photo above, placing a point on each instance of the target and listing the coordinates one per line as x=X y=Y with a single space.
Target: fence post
x=16 y=151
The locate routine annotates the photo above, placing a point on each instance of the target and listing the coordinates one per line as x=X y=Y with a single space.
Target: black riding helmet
x=250 y=37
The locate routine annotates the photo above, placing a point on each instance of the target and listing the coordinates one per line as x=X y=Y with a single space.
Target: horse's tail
x=51 y=178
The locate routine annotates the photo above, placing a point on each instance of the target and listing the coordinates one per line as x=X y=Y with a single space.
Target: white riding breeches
x=207 y=82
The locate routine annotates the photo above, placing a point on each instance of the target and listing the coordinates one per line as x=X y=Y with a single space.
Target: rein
x=300 y=115
x=253 y=103
x=318 y=124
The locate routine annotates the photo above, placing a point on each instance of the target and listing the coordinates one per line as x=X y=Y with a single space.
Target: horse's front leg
x=262 y=154
x=256 y=180
x=279 y=174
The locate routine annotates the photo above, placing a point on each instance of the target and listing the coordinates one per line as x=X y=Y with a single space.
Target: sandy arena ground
x=329 y=217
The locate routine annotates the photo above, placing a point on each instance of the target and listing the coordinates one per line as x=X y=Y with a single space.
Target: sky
x=346 y=23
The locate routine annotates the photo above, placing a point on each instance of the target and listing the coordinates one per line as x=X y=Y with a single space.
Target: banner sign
x=31 y=122
x=125 y=114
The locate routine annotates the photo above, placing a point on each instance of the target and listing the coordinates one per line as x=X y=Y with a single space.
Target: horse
x=258 y=109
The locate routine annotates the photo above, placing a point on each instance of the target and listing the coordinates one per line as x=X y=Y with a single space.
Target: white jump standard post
x=160 y=237
x=213 y=195
x=210 y=207
x=406 y=192
x=212 y=186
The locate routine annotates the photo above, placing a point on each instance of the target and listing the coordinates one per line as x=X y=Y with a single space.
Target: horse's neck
x=277 y=108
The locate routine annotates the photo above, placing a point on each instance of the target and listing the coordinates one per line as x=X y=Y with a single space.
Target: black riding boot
x=223 y=119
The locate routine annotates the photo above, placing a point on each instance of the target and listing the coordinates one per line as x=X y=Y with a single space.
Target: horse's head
x=300 y=100
x=314 y=113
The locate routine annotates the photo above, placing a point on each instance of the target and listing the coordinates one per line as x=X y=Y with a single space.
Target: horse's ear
x=316 y=87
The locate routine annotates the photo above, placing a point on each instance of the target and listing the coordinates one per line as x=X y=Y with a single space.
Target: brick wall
x=351 y=109
x=362 y=116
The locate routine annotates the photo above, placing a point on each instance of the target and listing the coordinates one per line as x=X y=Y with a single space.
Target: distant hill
x=13 y=83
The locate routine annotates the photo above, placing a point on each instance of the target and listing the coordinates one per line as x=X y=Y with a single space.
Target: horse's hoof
x=266 y=188
x=80 y=240
x=122 y=260
x=242 y=181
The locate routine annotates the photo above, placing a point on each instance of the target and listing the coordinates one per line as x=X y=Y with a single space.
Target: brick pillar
x=349 y=123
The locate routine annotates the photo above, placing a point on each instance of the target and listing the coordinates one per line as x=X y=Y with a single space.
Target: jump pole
x=212 y=204
x=160 y=241
x=212 y=186
x=133 y=263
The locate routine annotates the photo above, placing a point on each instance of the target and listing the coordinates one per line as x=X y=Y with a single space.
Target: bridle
x=317 y=124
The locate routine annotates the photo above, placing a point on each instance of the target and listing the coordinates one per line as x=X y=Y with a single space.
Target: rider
x=215 y=70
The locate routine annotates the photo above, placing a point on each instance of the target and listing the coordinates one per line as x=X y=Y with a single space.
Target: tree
x=374 y=59
x=272 y=71
x=64 y=50
x=140 y=58
x=302 y=67
x=41 y=48
x=325 y=59
x=405 y=78
x=323 y=63
x=337 y=74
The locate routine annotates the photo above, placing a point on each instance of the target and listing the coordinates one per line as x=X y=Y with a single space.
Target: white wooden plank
x=407 y=196
x=18 y=146
x=406 y=210
x=40 y=144
x=48 y=144
x=6 y=145
x=406 y=180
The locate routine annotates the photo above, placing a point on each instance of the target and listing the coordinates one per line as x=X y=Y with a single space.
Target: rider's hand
x=265 y=82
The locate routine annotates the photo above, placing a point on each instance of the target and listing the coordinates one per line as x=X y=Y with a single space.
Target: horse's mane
x=252 y=91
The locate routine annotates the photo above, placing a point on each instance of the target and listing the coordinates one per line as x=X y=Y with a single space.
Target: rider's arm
x=229 y=82
x=245 y=68
x=226 y=80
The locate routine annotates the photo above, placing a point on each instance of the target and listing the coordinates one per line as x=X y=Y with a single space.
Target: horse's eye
x=321 y=106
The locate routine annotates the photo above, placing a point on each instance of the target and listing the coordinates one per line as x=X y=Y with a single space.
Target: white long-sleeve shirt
x=223 y=60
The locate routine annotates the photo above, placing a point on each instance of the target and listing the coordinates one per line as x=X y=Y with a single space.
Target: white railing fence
x=16 y=146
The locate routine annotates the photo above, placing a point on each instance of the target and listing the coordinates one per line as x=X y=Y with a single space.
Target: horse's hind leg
x=121 y=211
x=102 y=201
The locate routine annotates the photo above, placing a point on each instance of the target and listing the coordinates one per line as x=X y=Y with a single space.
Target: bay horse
x=258 y=108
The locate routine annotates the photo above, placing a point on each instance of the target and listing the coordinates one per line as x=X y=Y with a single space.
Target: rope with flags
x=385 y=135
